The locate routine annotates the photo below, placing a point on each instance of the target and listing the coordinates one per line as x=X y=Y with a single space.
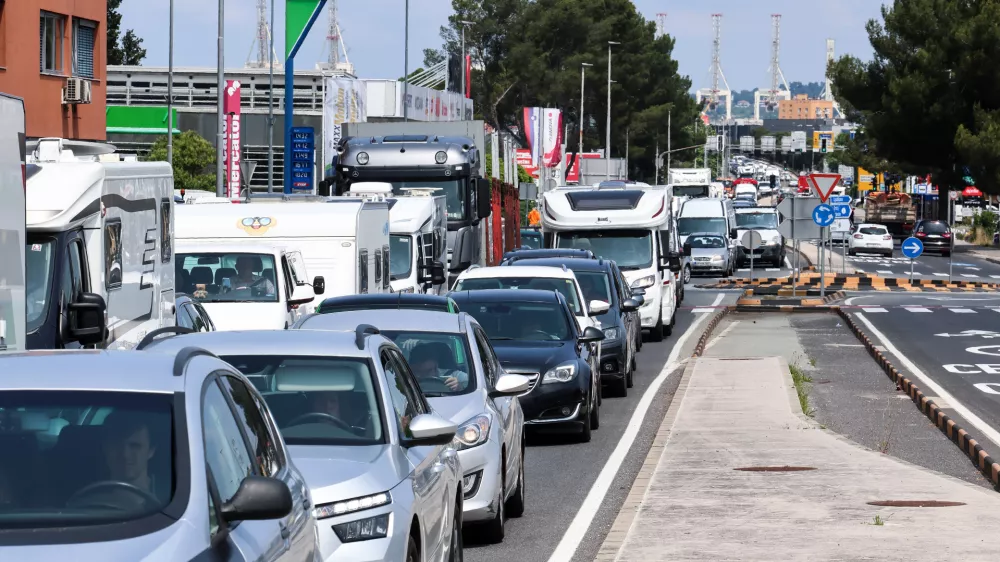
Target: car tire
x=493 y=530
x=687 y=275
x=585 y=434
x=945 y=254
x=668 y=329
x=620 y=386
x=595 y=412
x=657 y=332
x=631 y=372
x=412 y=552
x=515 y=505
x=457 y=550
x=851 y=253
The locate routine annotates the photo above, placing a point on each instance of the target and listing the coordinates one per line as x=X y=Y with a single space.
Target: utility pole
x=607 y=142
x=406 y=63
x=583 y=71
x=220 y=115
x=270 y=105
x=170 y=89
x=669 y=118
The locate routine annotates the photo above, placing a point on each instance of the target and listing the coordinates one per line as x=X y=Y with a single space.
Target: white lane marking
x=874 y=309
x=917 y=309
x=963 y=310
x=969 y=275
x=702 y=310
x=960 y=408
x=722 y=334
x=744 y=269
x=994 y=276
x=772 y=269
x=884 y=271
x=788 y=264
x=941 y=274
x=578 y=528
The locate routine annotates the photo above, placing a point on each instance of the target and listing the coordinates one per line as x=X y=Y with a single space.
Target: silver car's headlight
x=717 y=257
x=350 y=506
x=560 y=373
x=376 y=527
x=610 y=333
x=472 y=433
x=644 y=282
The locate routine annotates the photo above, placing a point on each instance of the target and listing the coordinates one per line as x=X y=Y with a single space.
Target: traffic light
x=822 y=145
x=774 y=181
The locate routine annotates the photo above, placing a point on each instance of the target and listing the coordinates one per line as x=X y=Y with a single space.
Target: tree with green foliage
x=194 y=160
x=929 y=100
x=122 y=49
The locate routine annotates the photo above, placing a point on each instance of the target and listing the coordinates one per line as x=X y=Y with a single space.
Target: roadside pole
x=822 y=262
x=751 y=263
x=795 y=273
x=911 y=271
x=951 y=260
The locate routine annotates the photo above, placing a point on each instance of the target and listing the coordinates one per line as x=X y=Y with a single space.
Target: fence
x=505 y=221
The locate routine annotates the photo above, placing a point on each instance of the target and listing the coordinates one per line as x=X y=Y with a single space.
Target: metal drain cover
x=775 y=468
x=915 y=503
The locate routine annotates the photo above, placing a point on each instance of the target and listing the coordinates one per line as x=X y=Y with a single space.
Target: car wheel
x=687 y=274
x=493 y=531
x=889 y=254
x=515 y=505
x=851 y=253
x=657 y=333
x=457 y=549
x=631 y=372
x=620 y=386
x=412 y=553
x=595 y=414
x=945 y=254
x=668 y=329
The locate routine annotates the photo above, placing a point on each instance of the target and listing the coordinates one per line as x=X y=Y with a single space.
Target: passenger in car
x=426 y=360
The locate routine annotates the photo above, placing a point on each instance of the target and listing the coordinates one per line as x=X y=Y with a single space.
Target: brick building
x=53 y=53
x=801 y=107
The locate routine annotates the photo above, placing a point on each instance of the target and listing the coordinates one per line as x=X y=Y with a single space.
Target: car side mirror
x=90 y=326
x=319 y=285
x=429 y=430
x=258 y=498
x=591 y=335
x=674 y=262
x=631 y=304
x=438 y=276
x=638 y=292
x=733 y=233
x=687 y=248
x=510 y=385
x=598 y=308
x=483 y=200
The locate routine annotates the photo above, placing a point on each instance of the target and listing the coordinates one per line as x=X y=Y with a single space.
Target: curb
x=745 y=300
x=983 y=461
x=699 y=348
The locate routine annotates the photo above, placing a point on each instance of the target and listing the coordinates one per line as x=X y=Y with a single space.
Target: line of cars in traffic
x=379 y=427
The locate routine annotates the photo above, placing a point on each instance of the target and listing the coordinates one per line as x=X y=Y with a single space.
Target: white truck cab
x=633 y=227
x=100 y=257
x=247 y=286
x=12 y=228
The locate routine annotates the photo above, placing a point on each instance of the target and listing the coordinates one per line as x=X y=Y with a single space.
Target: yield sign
x=824 y=184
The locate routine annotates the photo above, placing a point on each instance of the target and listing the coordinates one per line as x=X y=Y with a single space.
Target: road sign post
x=823 y=215
x=912 y=248
x=751 y=240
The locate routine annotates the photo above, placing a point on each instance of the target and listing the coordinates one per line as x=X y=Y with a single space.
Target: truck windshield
x=400 y=256
x=38 y=261
x=687 y=225
x=454 y=191
x=631 y=249
x=690 y=191
x=227 y=277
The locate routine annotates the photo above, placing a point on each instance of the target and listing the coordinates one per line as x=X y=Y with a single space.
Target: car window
x=439 y=361
x=404 y=403
x=594 y=285
x=226 y=451
x=204 y=316
x=566 y=287
x=228 y=276
x=183 y=317
x=933 y=227
x=535 y=321
x=876 y=230
x=487 y=357
x=197 y=322
x=262 y=443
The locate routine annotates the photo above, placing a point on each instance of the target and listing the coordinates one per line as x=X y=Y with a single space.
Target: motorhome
x=418 y=235
x=99 y=241
x=343 y=240
x=13 y=336
x=631 y=227
x=707 y=215
x=451 y=164
x=690 y=182
x=247 y=285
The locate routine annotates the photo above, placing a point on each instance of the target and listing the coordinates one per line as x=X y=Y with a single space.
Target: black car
x=601 y=280
x=526 y=254
x=191 y=314
x=535 y=334
x=744 y=203
x=936 y=236
x=399 y=301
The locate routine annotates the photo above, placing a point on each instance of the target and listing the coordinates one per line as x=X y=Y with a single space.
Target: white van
x=707 y=215
x=247 y=286
x=345 y=240
x=101 y=231
x=12 y=227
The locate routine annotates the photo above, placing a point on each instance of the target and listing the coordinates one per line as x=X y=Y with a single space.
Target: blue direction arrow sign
x=912 y=248
x=823 y=215
x=840 y=200
x=842 y=211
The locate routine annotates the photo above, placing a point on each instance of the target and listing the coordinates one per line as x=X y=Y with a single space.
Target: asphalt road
x=949 y=345
x=964 y=267
x=852 y=396
x=560 y=475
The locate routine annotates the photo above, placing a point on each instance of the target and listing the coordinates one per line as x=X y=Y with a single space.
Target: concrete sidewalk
x=737 y=408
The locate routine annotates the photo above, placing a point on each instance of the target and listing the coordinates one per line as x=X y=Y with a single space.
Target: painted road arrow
x=983 y=333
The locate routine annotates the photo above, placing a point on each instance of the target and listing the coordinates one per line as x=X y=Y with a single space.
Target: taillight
x=887 y=237
x=859 y=236
x=921 y=234
x=946 y=235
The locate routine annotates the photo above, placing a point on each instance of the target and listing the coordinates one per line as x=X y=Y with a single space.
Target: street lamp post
x=220 y=115
x=170 y=89
x=406 y=63
x=270 y=105
x=607 y=140
x=583 y=71
x=463 y=24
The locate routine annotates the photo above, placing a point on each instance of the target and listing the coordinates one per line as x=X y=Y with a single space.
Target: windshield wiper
x=498 y=338
x=434 y=394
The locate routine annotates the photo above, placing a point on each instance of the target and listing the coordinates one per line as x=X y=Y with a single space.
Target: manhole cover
x=775 y=468
x=915 y=503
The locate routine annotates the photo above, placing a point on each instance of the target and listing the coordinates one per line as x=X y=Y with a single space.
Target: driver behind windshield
x=245 y=278
x=337 y=405
x=425 y=362
x=128 y=448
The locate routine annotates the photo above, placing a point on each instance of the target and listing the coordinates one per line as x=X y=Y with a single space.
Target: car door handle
x=285 y=533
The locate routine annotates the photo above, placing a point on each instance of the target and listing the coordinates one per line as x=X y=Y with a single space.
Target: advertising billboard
x=344 y=103
x=231 y=134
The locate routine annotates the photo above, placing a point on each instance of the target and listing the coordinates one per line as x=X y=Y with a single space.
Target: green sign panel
x=297 y=16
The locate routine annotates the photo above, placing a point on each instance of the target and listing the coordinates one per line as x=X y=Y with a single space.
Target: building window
x=50 y=41
x=3 y=33
x=84 y=32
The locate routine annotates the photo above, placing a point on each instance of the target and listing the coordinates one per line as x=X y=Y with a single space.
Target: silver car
x=386 y=482
x=461 y=377
x=709 y=253
x=125 y=455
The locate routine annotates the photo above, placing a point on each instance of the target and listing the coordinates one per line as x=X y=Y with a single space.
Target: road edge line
x=614 y=541
x=958 y=435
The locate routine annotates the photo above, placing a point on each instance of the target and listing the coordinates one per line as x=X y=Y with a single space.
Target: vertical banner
x=532 y=123
x=344 y=103
x=468 y=76
x=231 y=150
x=552 y=131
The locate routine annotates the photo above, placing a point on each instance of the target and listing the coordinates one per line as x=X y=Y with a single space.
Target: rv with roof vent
x=12 y=227
x=100 y=257
x=632 y=226
x=451 y=164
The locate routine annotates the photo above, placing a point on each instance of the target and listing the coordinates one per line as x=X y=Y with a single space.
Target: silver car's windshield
x=317 y=400
x=74 y=458
x=439 y=361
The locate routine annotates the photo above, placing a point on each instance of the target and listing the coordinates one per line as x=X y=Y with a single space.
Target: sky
x=373 y=31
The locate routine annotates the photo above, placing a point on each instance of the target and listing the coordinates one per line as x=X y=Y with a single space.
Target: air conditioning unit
x=76 y=90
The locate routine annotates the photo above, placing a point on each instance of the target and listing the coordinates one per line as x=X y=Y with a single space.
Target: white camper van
x=418 y=236
x=633 y=227
x=345 y=241
x=99 y=240
x=247 y=285
x=12 y=235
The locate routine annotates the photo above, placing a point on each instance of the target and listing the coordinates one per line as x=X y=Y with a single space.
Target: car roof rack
x=361 y=332
x=148 y=339
x=187 y=354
